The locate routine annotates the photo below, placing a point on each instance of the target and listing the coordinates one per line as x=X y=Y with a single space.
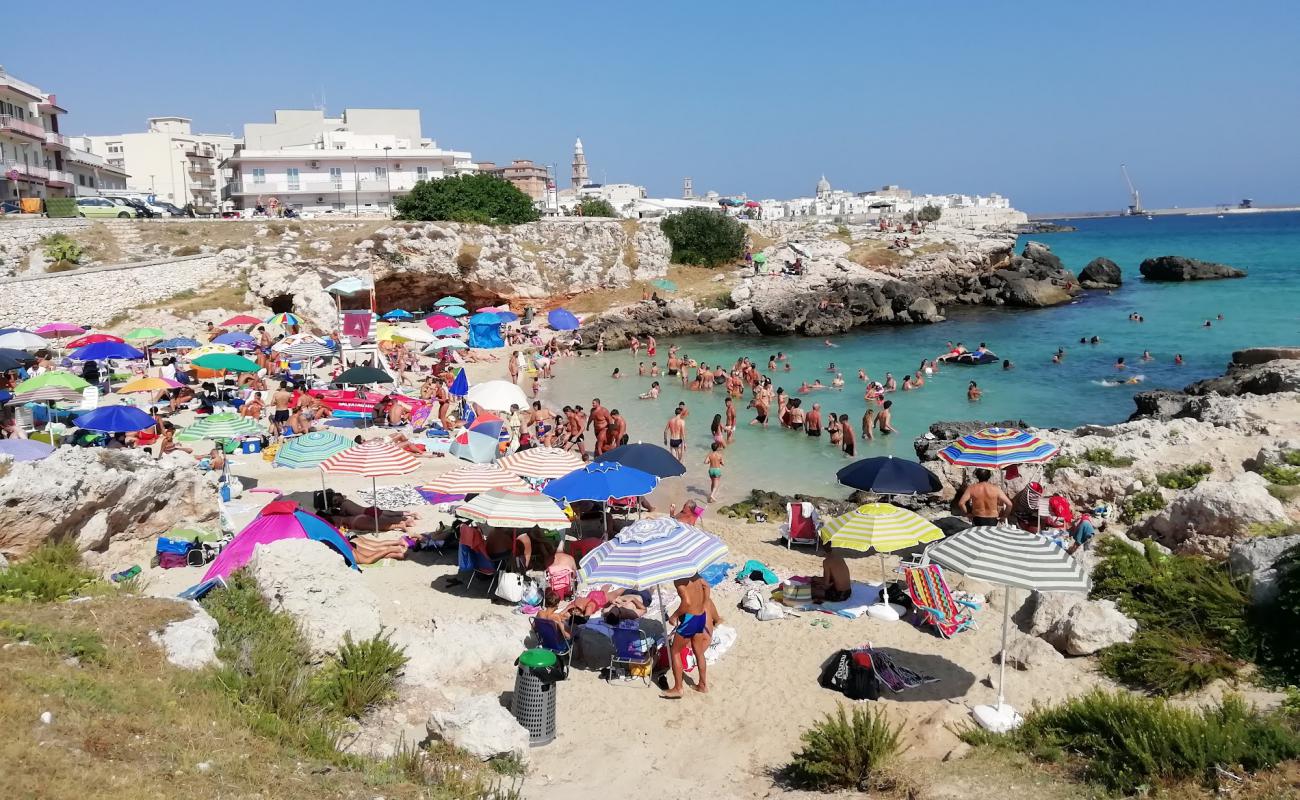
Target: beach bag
x=752 y=601
x=532 y=593
x=510 y=587
x=1059 y=507
x=770 y=611
x=173 y=546
x=845 y=674
x=796 y=593
x=172 y=560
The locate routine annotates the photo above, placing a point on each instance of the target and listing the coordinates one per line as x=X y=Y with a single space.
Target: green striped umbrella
x=220 y=426
x=309 y=450
x=226 y=361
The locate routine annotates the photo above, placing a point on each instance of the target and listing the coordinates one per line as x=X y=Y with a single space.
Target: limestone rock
x=1271 y=377
x=313 y=584
x=1101 y=273
x=1029 y=652
x=1077 y=626
x=105 y=494
x=1211 y=509
x=189 y=643
x=4 y=563
x=1260 y=355
x=1180 y=268
x=457 y=647
x=1256 y=557
x=480 y=726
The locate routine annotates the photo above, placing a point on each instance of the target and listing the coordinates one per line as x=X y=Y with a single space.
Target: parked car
x=141 y=206
x=171 y=209
x=102 y=207
x=123 y=205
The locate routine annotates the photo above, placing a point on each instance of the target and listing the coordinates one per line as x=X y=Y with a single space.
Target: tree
x=929 y=214
x=595 y=207
x=704 y=237
x=467 y=198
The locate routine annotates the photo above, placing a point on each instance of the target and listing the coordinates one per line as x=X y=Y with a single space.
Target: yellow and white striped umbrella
x=879 y=526
x=209 y=349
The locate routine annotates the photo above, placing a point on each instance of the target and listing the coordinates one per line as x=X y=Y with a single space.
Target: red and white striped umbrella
x=542 y=462
x=374 y=459
x=474 y=478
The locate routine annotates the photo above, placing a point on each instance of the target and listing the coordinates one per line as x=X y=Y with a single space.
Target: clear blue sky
x=1038 y=100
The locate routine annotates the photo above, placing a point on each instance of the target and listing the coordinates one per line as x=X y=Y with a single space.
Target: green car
x=102 y=207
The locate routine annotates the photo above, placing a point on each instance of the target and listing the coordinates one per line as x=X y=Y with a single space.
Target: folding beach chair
x=633 y=650
x=934 y=601
x=472 y=557
x=802 y=528
x=550 y=637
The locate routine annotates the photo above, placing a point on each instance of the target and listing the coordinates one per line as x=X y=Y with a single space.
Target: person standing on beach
x=617 y=430
x=599 y=421
x=512 y=367
x=574 y=419
x=729 y=428
x=692 y=623
x=715 y=463
x=675 y=434
x=983 y=502
x=280 y=401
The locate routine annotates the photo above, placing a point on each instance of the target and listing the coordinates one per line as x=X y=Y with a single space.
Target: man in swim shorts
x=983 y=502
x=693 y=627
x=675 y=434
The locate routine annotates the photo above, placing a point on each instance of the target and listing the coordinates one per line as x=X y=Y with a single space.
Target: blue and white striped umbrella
x=650 y=552
x=310 y=449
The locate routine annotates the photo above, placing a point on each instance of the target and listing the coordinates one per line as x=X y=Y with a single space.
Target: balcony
x=320 y=188
x=201 y=185
x=24 y=171
x=60 y=178
x=21 y=127
x=199 y=151
x=56 y=141
x=201 y=168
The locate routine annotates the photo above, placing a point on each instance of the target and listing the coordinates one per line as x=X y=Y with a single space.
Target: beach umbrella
x=149 y=384
x=56 y=330
x=93 y=338
x=454 y=311
x=497 y=395
x=507 y=316
x=438 y=321
x=21 y=356
x=649 y=458
x=450 y=331
x=8 y=363
x=485 y=318
x=23 y=340
x=100 y=351
x=472 y=479
x=303 y=345
x=650 y=552
x=25 y=449
x=515 y=508
x=889 y=475
x=760 y=258
x=281 y=519
x=1014 y=559
x=601 y=481
x=241 y=320
x=449 y=301
x=284 y=319
x=226 y=361
x=226 y=425
x=49 y=394
x=883 y=528
x=209 y=349
x=350 y=285
x=996 y=448
x=236 y=339
x=421 y=335
x=177 y=343
x=665 y=284
x=55 y=379
x=542 y=462
x=363 y=375
x=444 y=344
x=398 y=313
x=374 y=459
x=115 y=419
x=561 y=319
x=144 y=334
x=309 y=450
x=459 y=384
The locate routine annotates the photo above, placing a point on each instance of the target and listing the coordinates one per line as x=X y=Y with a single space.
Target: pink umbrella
x=57 y=330
x=281 y=519
x=439 y=321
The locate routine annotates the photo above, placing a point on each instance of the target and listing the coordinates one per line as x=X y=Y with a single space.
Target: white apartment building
x=975 y=211
x=170 y=161
x=92 y=174
x=355 y=163
x=31 y=148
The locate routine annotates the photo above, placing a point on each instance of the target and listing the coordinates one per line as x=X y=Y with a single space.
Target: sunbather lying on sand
x=368 y=550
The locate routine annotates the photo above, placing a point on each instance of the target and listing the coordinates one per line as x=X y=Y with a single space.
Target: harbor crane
x=1135 y=204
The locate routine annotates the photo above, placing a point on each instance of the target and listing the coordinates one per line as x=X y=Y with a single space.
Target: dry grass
x=99 y=244
x=873 y=253
x=692 y=282
x=759 y=241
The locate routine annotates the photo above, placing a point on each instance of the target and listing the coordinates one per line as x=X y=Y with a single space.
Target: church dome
x=823 y=186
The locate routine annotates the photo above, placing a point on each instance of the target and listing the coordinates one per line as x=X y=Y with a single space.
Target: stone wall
x=94 y=295
x=20 y=237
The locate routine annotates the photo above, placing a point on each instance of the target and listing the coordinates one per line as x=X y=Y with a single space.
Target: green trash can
x=533 y=704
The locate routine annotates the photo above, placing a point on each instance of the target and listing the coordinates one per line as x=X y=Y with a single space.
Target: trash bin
x=533 y=705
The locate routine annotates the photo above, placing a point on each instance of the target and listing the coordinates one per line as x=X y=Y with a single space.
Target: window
x=336 y=177
x=422 y=173
x=259 y=175
x=292 y=174
x=381 y=173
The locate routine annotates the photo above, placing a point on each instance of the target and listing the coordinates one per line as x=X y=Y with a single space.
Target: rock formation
x=189 y=643
x=482 y=727
x=1077 y=626
x=1180 y=268
x=1256 y=558
x=1101 y=273
x=1208 y=517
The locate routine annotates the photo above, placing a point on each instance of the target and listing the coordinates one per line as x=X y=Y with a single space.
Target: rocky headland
x=1180 y=268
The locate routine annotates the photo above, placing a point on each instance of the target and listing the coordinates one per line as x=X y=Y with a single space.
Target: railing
x=203 y=184
x=368 y=185
x=200 y=152
x=29 y=170
x=59 y=176
x=56 y=139
x=201 y=168
x=8 y=122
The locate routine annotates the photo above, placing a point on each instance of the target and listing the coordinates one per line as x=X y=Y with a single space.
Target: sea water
x=1259 y=310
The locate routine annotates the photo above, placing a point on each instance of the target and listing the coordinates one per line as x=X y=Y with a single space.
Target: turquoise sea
x=1262 y=309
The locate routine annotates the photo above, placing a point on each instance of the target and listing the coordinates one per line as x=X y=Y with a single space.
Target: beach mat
x=862 y=596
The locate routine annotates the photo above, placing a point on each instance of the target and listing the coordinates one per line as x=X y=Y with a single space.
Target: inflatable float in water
x=969 y=359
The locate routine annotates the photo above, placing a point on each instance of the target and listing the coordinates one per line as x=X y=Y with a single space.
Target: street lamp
x=356 y=189
x=388 y=174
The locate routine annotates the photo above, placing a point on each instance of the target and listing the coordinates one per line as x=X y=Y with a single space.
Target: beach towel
x=754 y=566
x=715 y=574
x=895 y=677
x=861 y=596
x=724 y=638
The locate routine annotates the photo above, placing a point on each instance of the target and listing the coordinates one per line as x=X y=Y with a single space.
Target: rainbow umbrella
x=285 y=319
x=226 y=361
x=281 y=519
x=996 y=448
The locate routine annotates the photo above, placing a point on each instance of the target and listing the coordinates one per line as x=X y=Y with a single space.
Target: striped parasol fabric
x=209 y=349
x=310 y=449
x=303 y=345
x=220 y=426
x=1010 y=557
x=474 y=478
x=650 y=552
x=542 y=462
x=284 y=319
x=515 y=508
x=45 y=394
x=373 y=459
x=996 y=448
x=881 y=527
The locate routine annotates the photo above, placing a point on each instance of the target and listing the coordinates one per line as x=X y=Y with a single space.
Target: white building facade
x=92 y=174
x=170 y=161
x=976 y=211
x=356 y=163
x=32 y=149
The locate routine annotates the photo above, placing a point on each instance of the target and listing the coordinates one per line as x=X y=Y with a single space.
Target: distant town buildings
x=32 y=150
x=827 y=203
x=531 y=179
x=579 y=177
x=94 y=175
x=168 y=160
x=359 y=161
x=688 y=190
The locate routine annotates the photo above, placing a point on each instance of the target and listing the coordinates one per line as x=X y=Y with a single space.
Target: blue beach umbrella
x=889 y=475
x=102 y=350
x=441 y=332
x=449 y=301
x=177 y=343
x=485 y=318
x=399 y=313
x=507 y=316
x=601 y=481
x=459 y=384
x=455 y=311
x=649 y=458
x=115 y=419
x=561 y=319
x=237 y=339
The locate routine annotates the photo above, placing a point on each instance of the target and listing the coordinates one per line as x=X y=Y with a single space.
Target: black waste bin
x=533 y=704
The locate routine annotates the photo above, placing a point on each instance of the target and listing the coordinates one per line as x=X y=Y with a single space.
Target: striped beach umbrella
x=177 y=343
x=47 y=394
x=474 y=478
x=310 y=449
x=303 y=345
x=226 y=425
x=374 y=459
x=996 y=448
x=209 y=349
x=284 y=319
x=515 y=508
x=542 y=462
x=1015 y=559
x=881 y=527
x=650 y=552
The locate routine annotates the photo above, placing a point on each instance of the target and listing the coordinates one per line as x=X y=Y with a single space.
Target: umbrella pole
x=1002 y=657
x=374 y=502
x=884 y=580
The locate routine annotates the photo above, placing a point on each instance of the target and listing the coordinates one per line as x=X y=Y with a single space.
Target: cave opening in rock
x=416 y=292
x=281 y=303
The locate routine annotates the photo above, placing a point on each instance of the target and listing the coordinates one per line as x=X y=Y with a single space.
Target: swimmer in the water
x=1119 y=363
x=1219 y=317
x=973 y=392
x=829 y=343
x=1006 y=364
x=1146 y=355
x=1207 y=323
x=1178 y=358
x=838 y=383
x=862 y=375
x=832 y=368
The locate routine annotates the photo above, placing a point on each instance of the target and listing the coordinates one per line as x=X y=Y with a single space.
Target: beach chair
x=550 y=637
x=89 y=399
x=934 y=601
x=802 y=526
x=25 y=419
x=633 y=650
x=472 y=557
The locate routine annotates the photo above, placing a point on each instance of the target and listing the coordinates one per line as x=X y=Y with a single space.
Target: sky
x=1039 y=101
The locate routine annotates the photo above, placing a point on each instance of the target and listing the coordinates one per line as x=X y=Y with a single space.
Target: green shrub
x=1281 y=475
x=1278 y=621
x=479 y=198
x=1166 y=664
x=1129 y=743
x=1284 y=494
x=85 y=646
x=1135 y=506
x=845 y=751
x=360 y=675
x=929 y=214
x=52 y=572
x=1105 y=457
x=596 y=207
x=704 y=237
x=1059 y=463
x=1272 y=530
x=1184 y=477
x=60 y=247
